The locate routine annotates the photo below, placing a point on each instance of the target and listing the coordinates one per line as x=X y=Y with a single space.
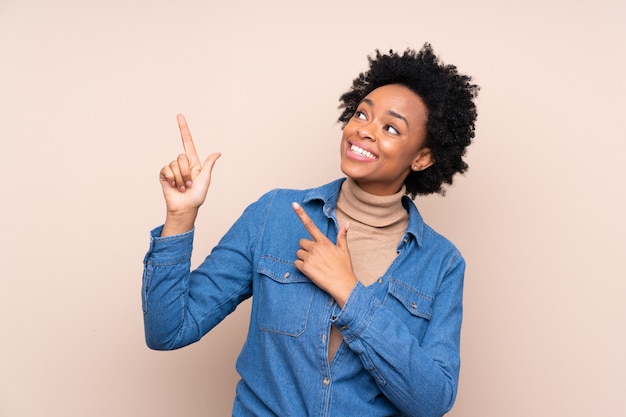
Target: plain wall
x=88 y=97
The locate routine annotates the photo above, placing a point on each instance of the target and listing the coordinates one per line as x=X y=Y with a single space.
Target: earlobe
x=424 y=160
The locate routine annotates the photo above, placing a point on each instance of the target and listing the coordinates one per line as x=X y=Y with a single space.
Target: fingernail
x=188 y=184
x=295 y=205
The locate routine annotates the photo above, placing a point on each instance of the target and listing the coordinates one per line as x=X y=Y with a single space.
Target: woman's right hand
x=185 y=182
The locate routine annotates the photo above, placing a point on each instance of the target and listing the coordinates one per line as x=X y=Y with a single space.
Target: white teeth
x=362 y=152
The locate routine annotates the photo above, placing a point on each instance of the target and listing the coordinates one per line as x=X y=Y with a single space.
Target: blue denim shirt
x=400 y=350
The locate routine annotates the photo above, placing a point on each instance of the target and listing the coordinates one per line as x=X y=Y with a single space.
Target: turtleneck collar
x=369 y=209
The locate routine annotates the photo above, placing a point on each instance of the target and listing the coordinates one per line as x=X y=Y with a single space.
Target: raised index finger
x=185 y=135
x=315 y=233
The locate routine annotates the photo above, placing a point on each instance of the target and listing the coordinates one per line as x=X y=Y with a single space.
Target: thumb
x=209 y=163
x=342 y=237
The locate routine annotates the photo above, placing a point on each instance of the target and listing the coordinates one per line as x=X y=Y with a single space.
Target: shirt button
x=414 y=305
x=344 y=327
x=326 y=381
x=380 y=280
x=287 y=275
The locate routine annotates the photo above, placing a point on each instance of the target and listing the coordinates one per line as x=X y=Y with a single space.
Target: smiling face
x=384 y=140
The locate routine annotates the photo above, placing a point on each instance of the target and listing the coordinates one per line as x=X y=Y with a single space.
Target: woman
x=356 y=302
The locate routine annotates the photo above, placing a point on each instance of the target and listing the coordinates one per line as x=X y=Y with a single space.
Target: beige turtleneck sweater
x=377 y=223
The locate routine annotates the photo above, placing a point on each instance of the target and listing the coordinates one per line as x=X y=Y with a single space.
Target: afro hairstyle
x=449 y=98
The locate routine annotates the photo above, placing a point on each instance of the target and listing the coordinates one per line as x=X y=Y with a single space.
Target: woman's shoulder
x=322 y=192
x=428 y=237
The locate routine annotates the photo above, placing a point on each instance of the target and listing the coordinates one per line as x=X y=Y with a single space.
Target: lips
x=361 y=152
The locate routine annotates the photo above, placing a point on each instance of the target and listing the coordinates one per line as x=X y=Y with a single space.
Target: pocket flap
x=416 y=303
x=280 y=271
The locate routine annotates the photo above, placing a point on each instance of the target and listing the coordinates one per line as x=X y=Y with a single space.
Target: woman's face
x=383 y=141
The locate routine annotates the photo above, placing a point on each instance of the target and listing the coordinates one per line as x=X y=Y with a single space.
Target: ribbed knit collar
x=369 y=209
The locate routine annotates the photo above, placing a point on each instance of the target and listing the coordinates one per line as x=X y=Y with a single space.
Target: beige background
x=88 y=97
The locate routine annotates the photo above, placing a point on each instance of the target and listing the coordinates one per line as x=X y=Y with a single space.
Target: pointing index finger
x=185 y=135
x=309 y=225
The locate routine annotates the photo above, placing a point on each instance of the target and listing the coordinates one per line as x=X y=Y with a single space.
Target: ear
x=423 y=160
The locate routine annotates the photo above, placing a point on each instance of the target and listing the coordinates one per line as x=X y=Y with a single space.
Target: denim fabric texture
x=401 y=334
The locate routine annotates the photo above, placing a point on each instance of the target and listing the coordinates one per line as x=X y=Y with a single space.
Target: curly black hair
x=448 y=96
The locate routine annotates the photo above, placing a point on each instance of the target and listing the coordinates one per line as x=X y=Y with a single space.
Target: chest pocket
x=284 y=297
x=412 y=306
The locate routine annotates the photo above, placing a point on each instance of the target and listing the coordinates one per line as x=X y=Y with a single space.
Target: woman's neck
x=369 y=209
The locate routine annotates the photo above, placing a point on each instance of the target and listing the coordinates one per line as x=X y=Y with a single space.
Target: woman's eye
x=360 y=115
x=392 y=129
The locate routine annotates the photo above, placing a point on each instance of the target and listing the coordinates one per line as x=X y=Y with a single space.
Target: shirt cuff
x=356 y=314
x=170 y=249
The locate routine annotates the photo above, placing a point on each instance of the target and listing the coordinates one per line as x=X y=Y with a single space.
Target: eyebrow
x=390 y=112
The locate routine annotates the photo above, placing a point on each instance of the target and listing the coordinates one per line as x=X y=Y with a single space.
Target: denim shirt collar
x=329 y=194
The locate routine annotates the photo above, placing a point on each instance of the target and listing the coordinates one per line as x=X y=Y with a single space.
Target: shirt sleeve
x=419 y=378
x=179 y=305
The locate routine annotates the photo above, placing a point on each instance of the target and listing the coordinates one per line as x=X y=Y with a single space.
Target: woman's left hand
x=329 y=266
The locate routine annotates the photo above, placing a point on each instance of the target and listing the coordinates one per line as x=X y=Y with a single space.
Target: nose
x=367 y=131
